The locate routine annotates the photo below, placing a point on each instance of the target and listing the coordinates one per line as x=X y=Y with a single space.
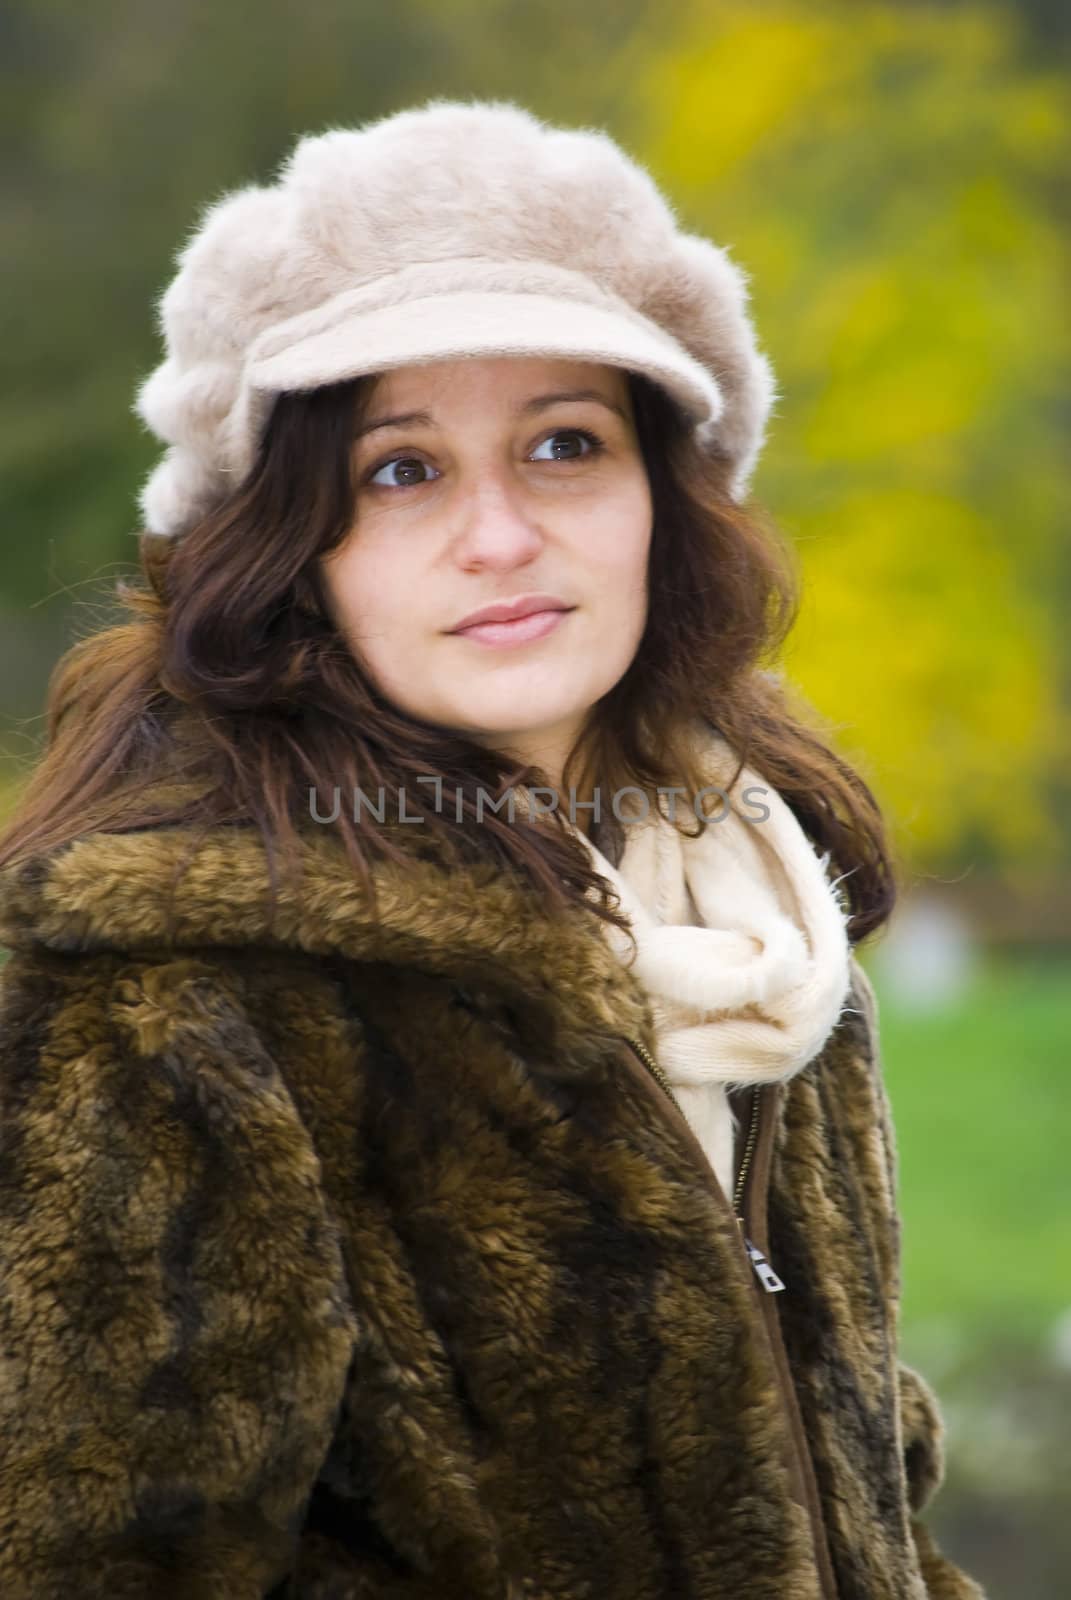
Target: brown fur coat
x=344 y=1260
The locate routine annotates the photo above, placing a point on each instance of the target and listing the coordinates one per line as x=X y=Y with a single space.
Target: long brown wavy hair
x=231 y=678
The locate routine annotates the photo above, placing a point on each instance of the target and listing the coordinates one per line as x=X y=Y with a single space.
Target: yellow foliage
x=937 y=667
x=880 y=173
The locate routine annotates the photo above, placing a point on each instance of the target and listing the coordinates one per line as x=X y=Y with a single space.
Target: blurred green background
x=890 y=178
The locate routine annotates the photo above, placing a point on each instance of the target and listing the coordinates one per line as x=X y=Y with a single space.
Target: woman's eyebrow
x=539 y=402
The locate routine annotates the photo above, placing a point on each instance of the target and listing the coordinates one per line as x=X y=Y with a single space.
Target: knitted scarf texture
x=742 y=942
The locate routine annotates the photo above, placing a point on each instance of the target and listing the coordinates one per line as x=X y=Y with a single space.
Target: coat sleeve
x=174 y=1323
x=922 y=1427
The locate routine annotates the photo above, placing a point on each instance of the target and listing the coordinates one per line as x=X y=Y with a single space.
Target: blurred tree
x=886 y=176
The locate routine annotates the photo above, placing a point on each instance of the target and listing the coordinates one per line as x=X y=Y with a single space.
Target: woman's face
x=507 y=484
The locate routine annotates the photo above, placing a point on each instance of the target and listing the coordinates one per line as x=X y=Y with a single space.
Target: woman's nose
x=498 y=529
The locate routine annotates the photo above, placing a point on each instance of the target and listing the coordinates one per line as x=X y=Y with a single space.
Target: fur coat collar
x=344 y=1257
x=475 y=924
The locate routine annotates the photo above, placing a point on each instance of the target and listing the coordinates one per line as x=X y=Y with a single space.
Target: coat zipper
x=763 y=1270
x=803 y=1468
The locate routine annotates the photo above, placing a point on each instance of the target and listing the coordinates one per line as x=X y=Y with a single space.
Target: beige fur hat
x=454 y=228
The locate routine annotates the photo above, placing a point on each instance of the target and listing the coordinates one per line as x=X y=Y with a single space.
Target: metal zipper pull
x=763 y=1270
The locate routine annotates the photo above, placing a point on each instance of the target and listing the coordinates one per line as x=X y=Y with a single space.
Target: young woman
x=443 y=1146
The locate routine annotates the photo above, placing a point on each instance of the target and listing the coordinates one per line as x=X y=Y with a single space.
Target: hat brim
x=455 y=326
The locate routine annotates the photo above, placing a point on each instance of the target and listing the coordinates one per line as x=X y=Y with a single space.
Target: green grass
x=981 y=1097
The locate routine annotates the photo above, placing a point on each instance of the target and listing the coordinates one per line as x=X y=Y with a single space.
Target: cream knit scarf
x=741 y=940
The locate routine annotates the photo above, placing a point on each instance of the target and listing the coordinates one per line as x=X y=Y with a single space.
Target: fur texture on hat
x=449 y=198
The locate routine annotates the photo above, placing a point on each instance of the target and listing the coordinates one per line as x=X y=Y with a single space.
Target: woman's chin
x=515 y=723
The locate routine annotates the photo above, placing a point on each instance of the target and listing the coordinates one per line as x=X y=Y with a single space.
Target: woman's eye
x=593 y=441
x=410 y=466
x=408 y=462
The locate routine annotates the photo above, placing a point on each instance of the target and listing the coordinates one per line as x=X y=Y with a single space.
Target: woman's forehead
x=512 y=380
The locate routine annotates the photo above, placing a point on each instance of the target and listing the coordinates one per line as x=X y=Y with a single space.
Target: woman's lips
x=534 y=626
